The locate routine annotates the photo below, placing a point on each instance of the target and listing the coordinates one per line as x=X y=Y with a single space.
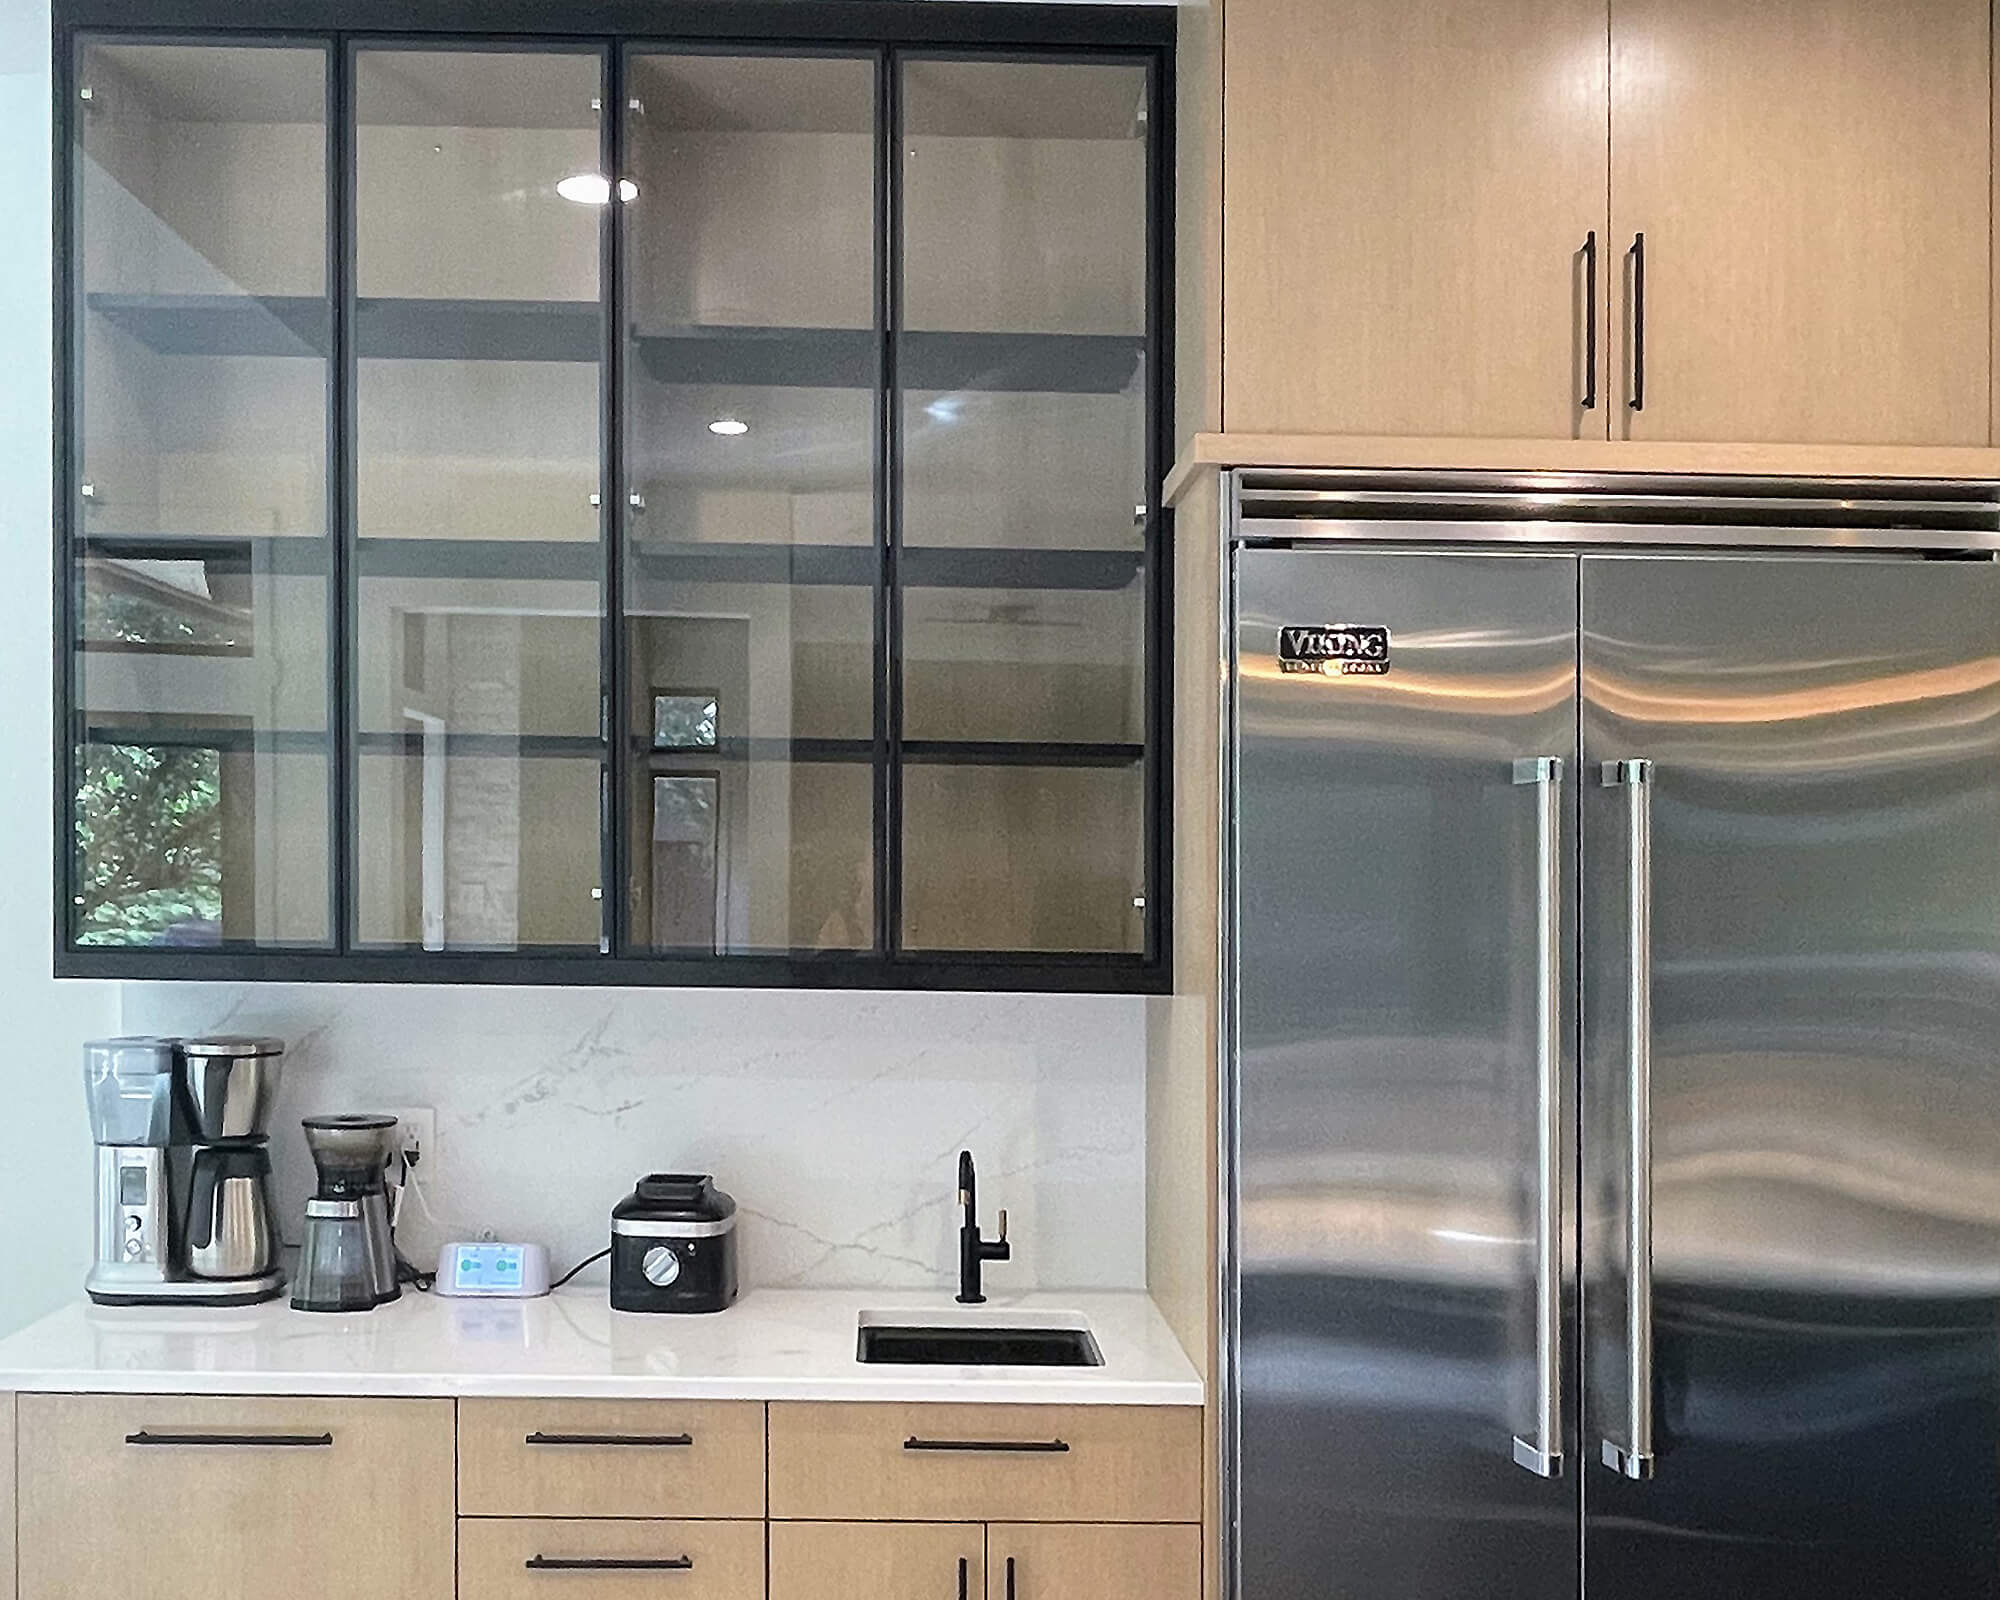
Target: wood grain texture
x=1183 y=1107
x=876 y=1560
x=834 y=1462
x=728 y=1559
x=1407 y=188
x=1199 y=60
x=1093 y=1563
x=372 y=1514
x=1208 y=451
x=1813 y=178
x=720 y=1474
x=7 y=1574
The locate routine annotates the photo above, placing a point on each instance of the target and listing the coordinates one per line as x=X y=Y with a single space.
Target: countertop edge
x=978 y=1390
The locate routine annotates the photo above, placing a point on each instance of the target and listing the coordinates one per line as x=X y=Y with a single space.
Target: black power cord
x=573 y=1271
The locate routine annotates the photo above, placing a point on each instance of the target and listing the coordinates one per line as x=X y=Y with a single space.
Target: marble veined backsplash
x=834 y=1118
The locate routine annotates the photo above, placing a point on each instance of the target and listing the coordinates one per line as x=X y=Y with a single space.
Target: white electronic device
x=493 y=1271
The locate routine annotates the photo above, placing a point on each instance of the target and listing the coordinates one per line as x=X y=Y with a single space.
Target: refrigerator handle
x=1543 y=1453
x=1634 y=1458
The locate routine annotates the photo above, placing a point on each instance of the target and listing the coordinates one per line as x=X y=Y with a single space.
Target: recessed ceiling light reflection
x=943 y=409
x=729 y=427
x=594 y=189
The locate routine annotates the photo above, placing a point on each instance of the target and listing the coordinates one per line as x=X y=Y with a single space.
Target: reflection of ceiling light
x=729 y=427
x=594 y=189
x=943 y=410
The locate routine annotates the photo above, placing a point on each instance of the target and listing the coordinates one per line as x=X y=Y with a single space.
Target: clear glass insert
x=751 y=555
x=200 y=580
x=479 y=201
x=1025 y=523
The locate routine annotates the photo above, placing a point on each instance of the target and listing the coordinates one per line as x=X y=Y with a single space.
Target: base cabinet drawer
x=605 y=1559
x=877 y=1561
x=966 y=1463
x=1079 y=1562
x=179 y=1497
x=610 y=1458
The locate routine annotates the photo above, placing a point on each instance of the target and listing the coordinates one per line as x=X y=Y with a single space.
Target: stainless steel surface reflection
x=1387 y=886
x=1825 y=942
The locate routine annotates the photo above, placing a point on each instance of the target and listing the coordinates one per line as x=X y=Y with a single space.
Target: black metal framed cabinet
x=613 y=493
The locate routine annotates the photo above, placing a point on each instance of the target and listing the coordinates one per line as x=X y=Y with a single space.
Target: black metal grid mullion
x=341 y=606
x=67 y=311
x=615 y=907
x=1159 y=786
x=889 y=501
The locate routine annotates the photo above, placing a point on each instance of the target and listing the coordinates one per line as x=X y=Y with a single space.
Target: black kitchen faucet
x=972 y=1249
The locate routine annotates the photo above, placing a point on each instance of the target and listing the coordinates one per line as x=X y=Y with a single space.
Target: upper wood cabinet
x=1812 y=180
x=1406 y=189
x=1410 y=185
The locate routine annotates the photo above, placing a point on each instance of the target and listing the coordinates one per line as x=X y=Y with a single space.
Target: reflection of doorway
x=430 y=825
x=690 y=863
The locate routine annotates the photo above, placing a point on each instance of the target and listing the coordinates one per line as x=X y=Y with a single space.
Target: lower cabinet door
x=544 y=1558
x=1079 y=1561
x=184 y=1497
x=877 y=1561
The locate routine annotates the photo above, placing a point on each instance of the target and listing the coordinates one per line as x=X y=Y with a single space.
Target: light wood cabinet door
x=877 y=1561
x=835 y=1461
x=1813 y=180
x=502 y=1558
x=1079 y=1562
x=176 y=1497
x=1407 y=188
x=611 y=1458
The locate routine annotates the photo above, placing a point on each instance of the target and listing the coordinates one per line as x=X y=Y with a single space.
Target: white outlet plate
x=416 y=1130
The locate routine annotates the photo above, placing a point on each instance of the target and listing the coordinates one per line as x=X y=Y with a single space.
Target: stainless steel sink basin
x=975 y=1340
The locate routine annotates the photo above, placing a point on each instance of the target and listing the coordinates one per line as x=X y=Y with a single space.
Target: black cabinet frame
x=883 y=28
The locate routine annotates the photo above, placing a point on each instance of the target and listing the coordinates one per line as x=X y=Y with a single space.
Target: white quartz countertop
x=773 y=1344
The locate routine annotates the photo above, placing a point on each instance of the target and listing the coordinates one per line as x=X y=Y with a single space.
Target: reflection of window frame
x=718 y=854
x=659 y=693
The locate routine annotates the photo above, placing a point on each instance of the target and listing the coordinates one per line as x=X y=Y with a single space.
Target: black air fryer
x=673 y=1245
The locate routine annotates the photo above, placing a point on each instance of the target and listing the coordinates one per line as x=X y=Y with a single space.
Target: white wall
x=45 y=1145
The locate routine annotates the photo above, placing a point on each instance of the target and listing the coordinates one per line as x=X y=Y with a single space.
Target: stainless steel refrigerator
x=1612 y=1040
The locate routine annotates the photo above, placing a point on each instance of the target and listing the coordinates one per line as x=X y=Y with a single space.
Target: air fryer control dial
x=660 y=1265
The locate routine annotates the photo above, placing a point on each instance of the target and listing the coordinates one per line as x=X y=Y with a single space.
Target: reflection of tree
x=149 y=845
x=111 y=614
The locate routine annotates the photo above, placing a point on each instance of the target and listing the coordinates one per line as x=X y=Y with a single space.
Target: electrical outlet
x=416 y=1136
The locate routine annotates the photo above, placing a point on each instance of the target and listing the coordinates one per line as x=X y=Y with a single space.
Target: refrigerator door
x=1404 y=827
x=1790 y=907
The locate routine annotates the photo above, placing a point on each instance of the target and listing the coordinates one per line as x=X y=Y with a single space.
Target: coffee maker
x=184 y=1214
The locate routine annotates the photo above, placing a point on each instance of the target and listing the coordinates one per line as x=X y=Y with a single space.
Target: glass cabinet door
x=1024 y=525
x=479 y=217
x=199 y=514
x=751 y=550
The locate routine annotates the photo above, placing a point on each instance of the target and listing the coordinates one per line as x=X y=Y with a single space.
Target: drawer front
x=950 y=1463
x=610 y=1458
x=597 y=1559
x=1081 y=1562
x=877 y=1561
x=234 y=1498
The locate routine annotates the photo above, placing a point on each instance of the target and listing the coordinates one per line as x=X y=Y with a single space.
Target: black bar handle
x=1010 y=1578
x=1638 y=401
x=248 y=1441
x=642 y=1441
x=964 y=1577
x=1054 y=1447
x=1590 y=320
x=608 y=1564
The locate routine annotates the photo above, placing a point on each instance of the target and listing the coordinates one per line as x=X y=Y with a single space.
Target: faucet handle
x=1003 y=1225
